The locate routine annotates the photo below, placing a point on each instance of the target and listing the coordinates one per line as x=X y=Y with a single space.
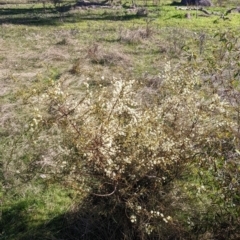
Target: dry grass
x=94 y=50
x=135 y=36
x=54 y=54
x=98 y=54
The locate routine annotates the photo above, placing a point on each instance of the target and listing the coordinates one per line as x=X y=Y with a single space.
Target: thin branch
x=106 y=195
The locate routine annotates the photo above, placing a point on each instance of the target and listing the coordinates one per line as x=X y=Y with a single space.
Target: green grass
x=26 y=208
x=36 y=46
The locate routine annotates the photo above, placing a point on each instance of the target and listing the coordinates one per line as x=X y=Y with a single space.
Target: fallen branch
x=208 y=12
x=232 y=9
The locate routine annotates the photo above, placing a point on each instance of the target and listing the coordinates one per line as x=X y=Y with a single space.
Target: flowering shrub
x=128 y=157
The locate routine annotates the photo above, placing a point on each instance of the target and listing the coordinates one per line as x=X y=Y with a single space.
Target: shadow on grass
x=20 y=11
x=14 y=221
x=36 y=21
x=110 y=17
x=29 y=16
x=80 y=224
x=55 y=16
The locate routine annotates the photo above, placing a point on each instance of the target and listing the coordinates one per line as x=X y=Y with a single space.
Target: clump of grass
x=98 y=54
x=133 y=36
x=64 y=41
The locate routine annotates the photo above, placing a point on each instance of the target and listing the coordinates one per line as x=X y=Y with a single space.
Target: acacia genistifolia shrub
x=128 y=156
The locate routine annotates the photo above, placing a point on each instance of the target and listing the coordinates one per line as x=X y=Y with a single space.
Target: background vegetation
x=119 y=122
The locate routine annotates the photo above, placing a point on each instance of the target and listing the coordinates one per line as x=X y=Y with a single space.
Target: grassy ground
x=98 y=44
